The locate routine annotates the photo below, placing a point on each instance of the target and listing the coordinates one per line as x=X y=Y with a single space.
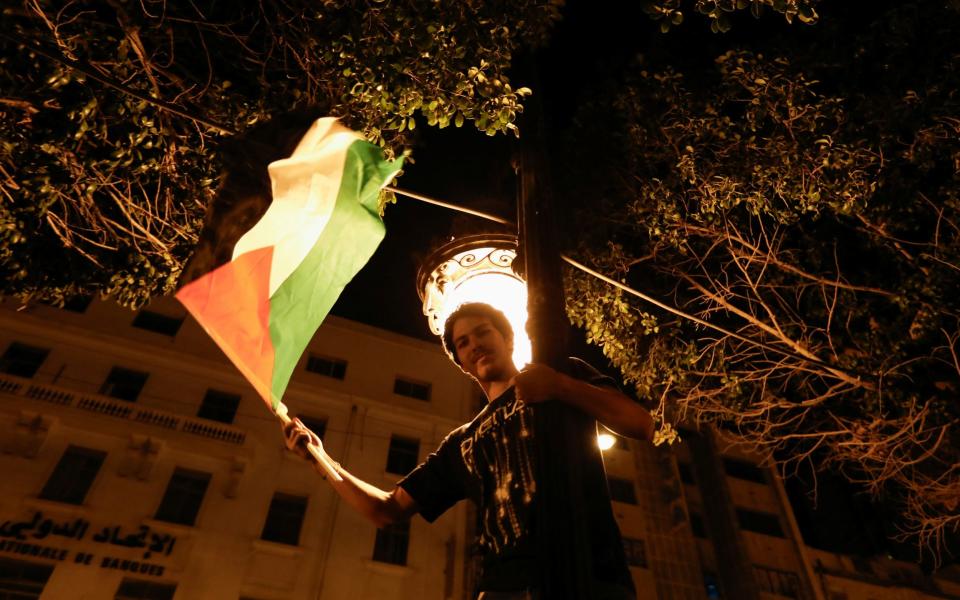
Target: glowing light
x=605 y=441
x=505 y=293
x=476 y=269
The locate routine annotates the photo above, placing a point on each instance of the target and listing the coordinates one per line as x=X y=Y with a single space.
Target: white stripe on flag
x=305 y=188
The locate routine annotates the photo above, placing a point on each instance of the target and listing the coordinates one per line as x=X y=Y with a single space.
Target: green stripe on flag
x=354 y=231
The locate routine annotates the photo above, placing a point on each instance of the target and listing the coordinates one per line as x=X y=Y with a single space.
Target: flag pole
x=317 y=452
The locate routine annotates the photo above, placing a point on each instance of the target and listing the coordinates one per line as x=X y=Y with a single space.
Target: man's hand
x=382 y=508
x=537 y=383
x=297 y=437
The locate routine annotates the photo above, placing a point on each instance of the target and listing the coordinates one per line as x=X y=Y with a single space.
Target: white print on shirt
x=499 y=452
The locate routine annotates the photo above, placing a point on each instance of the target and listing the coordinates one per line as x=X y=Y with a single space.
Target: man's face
x=482 y=350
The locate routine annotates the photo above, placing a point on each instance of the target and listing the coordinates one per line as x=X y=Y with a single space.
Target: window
x=621 y=490
x=686 y=473
x=74 y=474
x=862 y=564
x=636 y=552
x=744 y=470
x=906 y=575
x=219 y=406
x=124 y=384
x=759 y=522
x=696 y=525
x=315 y=424
x=158 y=323
x=21 y=580
x=392 y=543
x=412 y=389
x=284 y=519
x=78 y=303
x=328 y=367
x=181 y=502
x=402 y=456
x=135 y=589
x=775 y=581
x=22 y=360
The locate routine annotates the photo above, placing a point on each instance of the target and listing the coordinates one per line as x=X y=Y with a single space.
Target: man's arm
x=537 y=383
x=381 y=507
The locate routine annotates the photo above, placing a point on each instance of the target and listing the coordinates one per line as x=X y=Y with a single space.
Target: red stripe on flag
x=232 y=304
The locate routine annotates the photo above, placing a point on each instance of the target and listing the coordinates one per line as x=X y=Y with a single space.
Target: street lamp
x=561 y=544
x=479 y=268
x=476 y=268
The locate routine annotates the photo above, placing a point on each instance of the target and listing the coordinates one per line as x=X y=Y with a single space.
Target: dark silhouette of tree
x=806 y=201
x=113 y=114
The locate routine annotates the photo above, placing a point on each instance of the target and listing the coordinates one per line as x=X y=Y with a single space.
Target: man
x=491 y=459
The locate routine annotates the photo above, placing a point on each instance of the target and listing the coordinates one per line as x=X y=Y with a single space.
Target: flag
x=323 y=224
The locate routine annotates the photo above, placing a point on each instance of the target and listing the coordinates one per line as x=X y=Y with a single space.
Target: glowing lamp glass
x=505 y=293
x=605 y=441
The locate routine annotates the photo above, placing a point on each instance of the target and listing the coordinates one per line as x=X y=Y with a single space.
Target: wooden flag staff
x=317 y=452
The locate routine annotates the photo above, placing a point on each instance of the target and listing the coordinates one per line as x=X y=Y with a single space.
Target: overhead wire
x=441 y=203
x=622 y=286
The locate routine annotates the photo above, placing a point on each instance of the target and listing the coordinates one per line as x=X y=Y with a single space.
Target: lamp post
x=480 y=268
x=562 y=541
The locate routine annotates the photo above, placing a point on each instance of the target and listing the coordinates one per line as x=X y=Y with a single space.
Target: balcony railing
x=111 y=407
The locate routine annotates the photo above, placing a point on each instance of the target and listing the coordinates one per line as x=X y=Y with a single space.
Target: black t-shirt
x=492 y=461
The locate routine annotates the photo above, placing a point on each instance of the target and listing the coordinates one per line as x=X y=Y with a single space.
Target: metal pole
x=562 y=540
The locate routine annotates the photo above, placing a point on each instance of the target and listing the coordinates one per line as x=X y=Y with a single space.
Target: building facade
x=137 y=463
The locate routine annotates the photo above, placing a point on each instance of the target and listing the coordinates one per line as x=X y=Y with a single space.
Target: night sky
x=590 y=49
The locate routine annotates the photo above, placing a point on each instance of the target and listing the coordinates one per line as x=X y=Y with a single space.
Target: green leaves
x=809 y=203
x=114 y=189
x=670 y=13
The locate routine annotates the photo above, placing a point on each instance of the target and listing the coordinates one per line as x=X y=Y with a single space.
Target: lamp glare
x=503 y=292
x=605 y=441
